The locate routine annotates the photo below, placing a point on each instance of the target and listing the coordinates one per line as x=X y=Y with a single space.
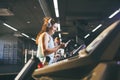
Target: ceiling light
x=33 y=39
x=65 y=33
x=25 y=35
x=87 y=35
x=97 y=27
x=59 y=35
x=59 y=29
x=44 y=7
x=10 y=27
x=56 y=7
x=28 y=22
x=116 y=12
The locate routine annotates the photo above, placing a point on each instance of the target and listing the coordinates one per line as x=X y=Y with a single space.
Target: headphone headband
x=49 y=20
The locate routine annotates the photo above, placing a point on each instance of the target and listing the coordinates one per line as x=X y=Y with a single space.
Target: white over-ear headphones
x=49 y=23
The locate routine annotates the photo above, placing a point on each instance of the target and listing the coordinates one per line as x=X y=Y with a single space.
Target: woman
x=45 y=41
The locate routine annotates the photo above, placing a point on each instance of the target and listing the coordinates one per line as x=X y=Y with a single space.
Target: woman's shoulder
x=44 y=34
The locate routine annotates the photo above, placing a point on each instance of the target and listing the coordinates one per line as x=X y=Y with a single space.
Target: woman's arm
x=45 y=40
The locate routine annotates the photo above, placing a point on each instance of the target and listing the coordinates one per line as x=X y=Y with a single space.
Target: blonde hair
x=47 y=23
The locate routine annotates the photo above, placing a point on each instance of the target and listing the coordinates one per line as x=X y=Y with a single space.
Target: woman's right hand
x=62 y=45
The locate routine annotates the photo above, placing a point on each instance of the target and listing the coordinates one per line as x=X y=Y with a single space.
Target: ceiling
x=77 y=17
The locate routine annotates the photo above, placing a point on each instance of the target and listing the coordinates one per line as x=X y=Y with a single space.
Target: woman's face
x=54 y=28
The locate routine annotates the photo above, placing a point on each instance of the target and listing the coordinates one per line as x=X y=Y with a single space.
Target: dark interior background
x=77 y=17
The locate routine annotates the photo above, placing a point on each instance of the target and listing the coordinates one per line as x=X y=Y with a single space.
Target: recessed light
x=28 y=22
x=65 y=33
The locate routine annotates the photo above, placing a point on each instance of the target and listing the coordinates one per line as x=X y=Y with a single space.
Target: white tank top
x=51 y=45
x=41 y=57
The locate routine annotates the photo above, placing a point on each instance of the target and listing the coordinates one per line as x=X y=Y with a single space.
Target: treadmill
x=102 y=49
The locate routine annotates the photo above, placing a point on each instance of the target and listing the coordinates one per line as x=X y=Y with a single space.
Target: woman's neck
x=49 y=32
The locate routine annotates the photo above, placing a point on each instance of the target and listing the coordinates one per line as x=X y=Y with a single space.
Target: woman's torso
x=40 y=53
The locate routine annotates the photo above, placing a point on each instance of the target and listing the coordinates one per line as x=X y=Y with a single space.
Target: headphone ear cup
x=49 y=23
